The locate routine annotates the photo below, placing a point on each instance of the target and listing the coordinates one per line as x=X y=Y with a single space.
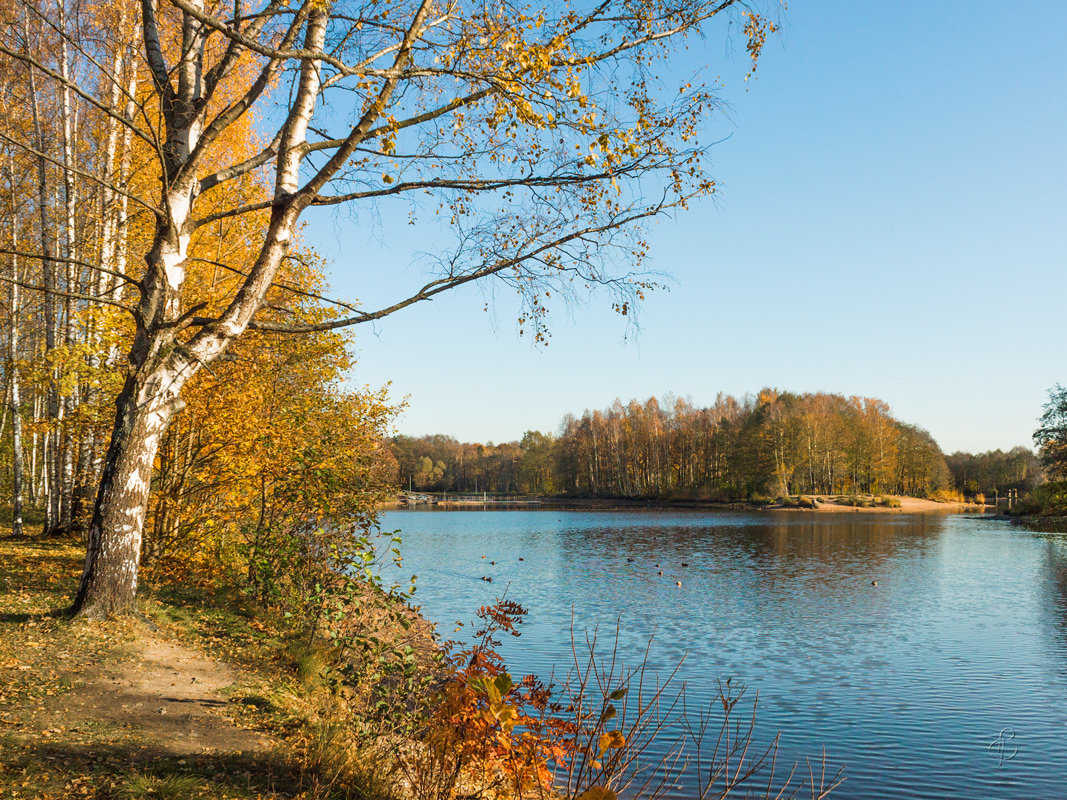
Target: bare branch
x=278 y=284
x=238 y=107
x=81 y=173
x=488 y=185
x=452 y=105
x=73 y=295
x=34 y=63
x=235 y=48
x=359 y=132
x=62 y=260
x=436 y=287
x=243 y=168
x=280 y=54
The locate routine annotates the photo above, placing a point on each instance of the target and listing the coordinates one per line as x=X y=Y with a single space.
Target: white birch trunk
x=13 y=350
x=48 y=267
x=70 y=191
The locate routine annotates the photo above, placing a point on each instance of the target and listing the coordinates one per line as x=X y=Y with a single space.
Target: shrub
x=946 y=496
x=1049 y=498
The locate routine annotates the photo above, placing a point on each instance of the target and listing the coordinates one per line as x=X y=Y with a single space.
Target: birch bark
x=13 y=350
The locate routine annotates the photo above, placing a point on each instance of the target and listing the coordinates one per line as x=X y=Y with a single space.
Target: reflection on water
x=1055 y=578
x=905 y=645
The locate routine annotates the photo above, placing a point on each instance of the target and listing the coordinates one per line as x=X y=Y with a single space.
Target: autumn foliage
x=763 y=446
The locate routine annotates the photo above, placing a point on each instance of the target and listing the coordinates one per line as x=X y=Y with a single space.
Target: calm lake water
x=946 y=680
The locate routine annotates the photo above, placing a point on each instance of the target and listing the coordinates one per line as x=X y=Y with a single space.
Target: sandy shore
x=908 y=505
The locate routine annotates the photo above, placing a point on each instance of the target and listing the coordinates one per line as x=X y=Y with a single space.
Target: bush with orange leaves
x=588 y=737
x=488 y=733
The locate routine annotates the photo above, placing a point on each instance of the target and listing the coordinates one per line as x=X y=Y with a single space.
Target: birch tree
x=545 y=134
x=13 y=371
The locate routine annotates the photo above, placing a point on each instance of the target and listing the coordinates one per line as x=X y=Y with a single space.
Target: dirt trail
x=155 y=721
x=164 y=694
x=128 y=708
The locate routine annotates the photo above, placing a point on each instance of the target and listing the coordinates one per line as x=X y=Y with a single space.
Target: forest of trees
x=996 y=472
x=768 y=445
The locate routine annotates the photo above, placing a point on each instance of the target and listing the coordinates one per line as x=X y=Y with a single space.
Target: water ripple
x=906 y=646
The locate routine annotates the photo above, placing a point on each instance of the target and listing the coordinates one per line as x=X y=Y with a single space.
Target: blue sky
x=891 y=222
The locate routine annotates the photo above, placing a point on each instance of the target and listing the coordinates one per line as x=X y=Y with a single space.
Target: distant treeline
x=763 y=446
x=996 y=472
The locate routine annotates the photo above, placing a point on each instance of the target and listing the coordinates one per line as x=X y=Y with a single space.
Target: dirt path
x=121 y=709
x=155 y=722
x=167 y=696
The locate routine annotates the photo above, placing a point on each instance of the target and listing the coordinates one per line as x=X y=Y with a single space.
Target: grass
x=142 y=786
x=39 y=648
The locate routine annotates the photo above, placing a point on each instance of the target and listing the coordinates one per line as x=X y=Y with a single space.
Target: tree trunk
x=159 y=368
x=13 y=347
x=84 y=478
x=51 y=449
x=70 y=192
x=34 y=494
x=144 y=408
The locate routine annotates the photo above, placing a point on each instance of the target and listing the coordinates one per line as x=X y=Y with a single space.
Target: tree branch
x=278 y=284
x=63 y=260
x=154 y=51
x=80 y=172
x=436 y=287
x=30 y=61
x=489 y=185
x=73 y=295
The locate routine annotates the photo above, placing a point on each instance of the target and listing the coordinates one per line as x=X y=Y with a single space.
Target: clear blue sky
x=891 y=222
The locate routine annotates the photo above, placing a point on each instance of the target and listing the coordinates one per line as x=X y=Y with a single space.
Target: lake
x=947 y=679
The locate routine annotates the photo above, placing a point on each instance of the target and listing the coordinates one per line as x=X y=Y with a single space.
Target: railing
x=482 y=498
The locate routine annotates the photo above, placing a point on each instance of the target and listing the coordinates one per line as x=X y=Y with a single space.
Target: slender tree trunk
x=70 y=191
x=7 y=404
x=66 y=482
x=44 y=485
x=83 y=481
x=48 y=267
x=16 y=433
x=13 y=348
x=33 y=453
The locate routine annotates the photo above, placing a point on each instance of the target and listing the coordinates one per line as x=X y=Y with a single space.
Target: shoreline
x=908 y=505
